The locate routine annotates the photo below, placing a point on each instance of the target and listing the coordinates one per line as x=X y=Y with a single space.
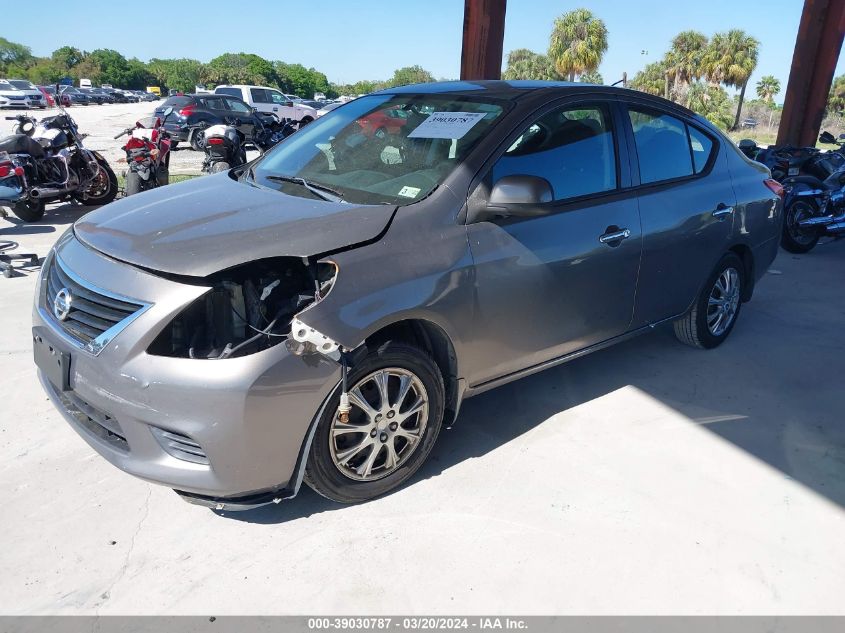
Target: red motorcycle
x=147 y=153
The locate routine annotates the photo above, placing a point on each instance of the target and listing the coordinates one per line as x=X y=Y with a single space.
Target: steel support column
x=484 y=32
x=817 y=49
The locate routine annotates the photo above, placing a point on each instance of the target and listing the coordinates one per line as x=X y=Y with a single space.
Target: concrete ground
x=647 y=478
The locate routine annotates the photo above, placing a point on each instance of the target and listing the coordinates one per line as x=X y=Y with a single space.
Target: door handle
x=722 y=210
x=615 y=236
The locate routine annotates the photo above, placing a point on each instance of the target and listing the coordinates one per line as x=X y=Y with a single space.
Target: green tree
x=86 y=69
x=114 y=69
x=651 y=79
x=683 y=61
x=45 y=71
x=67 y=57
x=177 y=74
x=578 y=43
x=730 y=59
x=711 y=102
x=14 y=57
x=836 y=98
x=767 y=88
x=242 y=68
x=591 y=77
x=409 y=75
x=526 y=64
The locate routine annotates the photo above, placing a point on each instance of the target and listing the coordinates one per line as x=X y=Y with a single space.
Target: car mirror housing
x=518 y=190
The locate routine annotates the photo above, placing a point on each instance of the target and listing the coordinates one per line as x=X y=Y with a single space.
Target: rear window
x=21 y=85
x=235 y=92
x=176 y=102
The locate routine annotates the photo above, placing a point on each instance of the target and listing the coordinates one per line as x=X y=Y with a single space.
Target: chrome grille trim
x=97 y=315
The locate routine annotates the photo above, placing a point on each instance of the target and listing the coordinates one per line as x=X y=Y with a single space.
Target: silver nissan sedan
x=320 y=314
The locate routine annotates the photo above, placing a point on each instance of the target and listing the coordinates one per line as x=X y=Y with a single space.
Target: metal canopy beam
x=484 y=33
x=817 y=49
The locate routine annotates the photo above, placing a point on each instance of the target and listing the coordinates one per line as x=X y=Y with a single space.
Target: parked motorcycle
x=46 y=161
x=226 y=146
x=147 y=154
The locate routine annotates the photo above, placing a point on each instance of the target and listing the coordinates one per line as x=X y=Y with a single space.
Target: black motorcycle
x=46 y=162
x=226 y=145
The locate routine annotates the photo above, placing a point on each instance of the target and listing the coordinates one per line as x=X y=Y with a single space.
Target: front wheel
x=29 y=210
x=397 y=398
x=795 y=238
x=717 y=307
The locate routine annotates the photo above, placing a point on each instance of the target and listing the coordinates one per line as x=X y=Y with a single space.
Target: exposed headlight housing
x=247 y=309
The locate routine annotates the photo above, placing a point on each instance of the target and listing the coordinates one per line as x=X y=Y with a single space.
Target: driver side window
x=571 y=147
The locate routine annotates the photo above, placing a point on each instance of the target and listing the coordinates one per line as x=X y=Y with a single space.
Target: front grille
x=180 y=446
x=96 y=422
x=91 y=314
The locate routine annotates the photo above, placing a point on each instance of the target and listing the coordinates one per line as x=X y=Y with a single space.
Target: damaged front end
x=250 y=308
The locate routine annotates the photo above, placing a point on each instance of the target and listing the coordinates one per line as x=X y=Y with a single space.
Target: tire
x=794 y=239
x=174 y=144
x=163 y=177
x=104 y=188
x=198 y=141
x=29 y=210
x=350 y=483
x=218 y=167
x=134 y=184
x=694 y=328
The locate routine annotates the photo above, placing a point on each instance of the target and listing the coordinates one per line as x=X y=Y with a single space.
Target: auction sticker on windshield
x=447 y=124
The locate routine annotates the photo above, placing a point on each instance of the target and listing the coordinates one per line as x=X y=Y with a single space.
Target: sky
x=350 y=40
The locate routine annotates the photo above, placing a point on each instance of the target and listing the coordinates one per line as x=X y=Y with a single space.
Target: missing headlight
x=247 y=309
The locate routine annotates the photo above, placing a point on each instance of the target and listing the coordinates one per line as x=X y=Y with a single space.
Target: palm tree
x=731 y=59
x=768 y=87
x=591 y=77
x=650 y=79
x=683 y=61
x=526 y=64
x=578 y=43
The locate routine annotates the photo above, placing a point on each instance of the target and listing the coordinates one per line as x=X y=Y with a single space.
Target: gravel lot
x=103 y=122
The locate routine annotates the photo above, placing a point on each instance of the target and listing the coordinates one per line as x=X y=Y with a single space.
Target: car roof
x=513 y=90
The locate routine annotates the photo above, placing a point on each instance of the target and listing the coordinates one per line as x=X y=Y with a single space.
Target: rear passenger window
x=701 y=146
x=662 y=146
x=260 y=95
x=235 y=92
x=572 y=148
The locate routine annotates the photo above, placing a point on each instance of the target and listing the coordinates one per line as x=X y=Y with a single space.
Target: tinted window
x=176 y=102
x=238 y=106
x=277 y=97
x=214 y=104
x=260 y=95
x=235 y=92
x=571 y=148
x=662 y=146
x=701 y=146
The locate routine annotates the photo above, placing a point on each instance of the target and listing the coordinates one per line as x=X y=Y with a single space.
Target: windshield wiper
x=321 y=191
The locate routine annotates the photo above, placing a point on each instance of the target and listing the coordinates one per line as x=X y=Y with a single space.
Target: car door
x=282 y=105
x=686 y=203
x=564 y=279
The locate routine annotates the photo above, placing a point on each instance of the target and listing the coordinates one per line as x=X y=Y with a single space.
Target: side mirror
x=168 y=111
x=288 y=104
x=827 y=137
x=520 y=190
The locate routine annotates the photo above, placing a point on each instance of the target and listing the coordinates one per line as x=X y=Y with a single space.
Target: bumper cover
x=250 y=415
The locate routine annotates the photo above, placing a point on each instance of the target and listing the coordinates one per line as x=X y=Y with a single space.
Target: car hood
x=212 y=223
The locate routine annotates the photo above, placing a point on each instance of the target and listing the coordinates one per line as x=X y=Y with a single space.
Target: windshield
x=21 y=84
x=381 y=149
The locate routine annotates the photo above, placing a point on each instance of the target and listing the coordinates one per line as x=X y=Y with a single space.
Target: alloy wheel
x=723 y=302
x=385 y=427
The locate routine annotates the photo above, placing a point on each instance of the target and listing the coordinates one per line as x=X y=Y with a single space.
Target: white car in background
x=14 y=89
x=270 y=101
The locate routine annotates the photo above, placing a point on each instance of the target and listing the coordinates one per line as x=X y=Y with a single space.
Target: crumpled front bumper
x=250 y=415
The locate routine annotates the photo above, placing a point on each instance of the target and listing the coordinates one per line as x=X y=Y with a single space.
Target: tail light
x=774 y=186
x=215 y=140
x=187 y=110
x=5 y=170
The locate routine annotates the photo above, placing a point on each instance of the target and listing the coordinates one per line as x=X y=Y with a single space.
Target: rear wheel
x=198 y=141
x=397 y=399
x=134 y=184
x=29 y=210
x=102 y=189
x=796 y=239
x=716 y=309
x=219 y=166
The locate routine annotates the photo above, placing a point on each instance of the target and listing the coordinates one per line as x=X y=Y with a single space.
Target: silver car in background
x=320 y=314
